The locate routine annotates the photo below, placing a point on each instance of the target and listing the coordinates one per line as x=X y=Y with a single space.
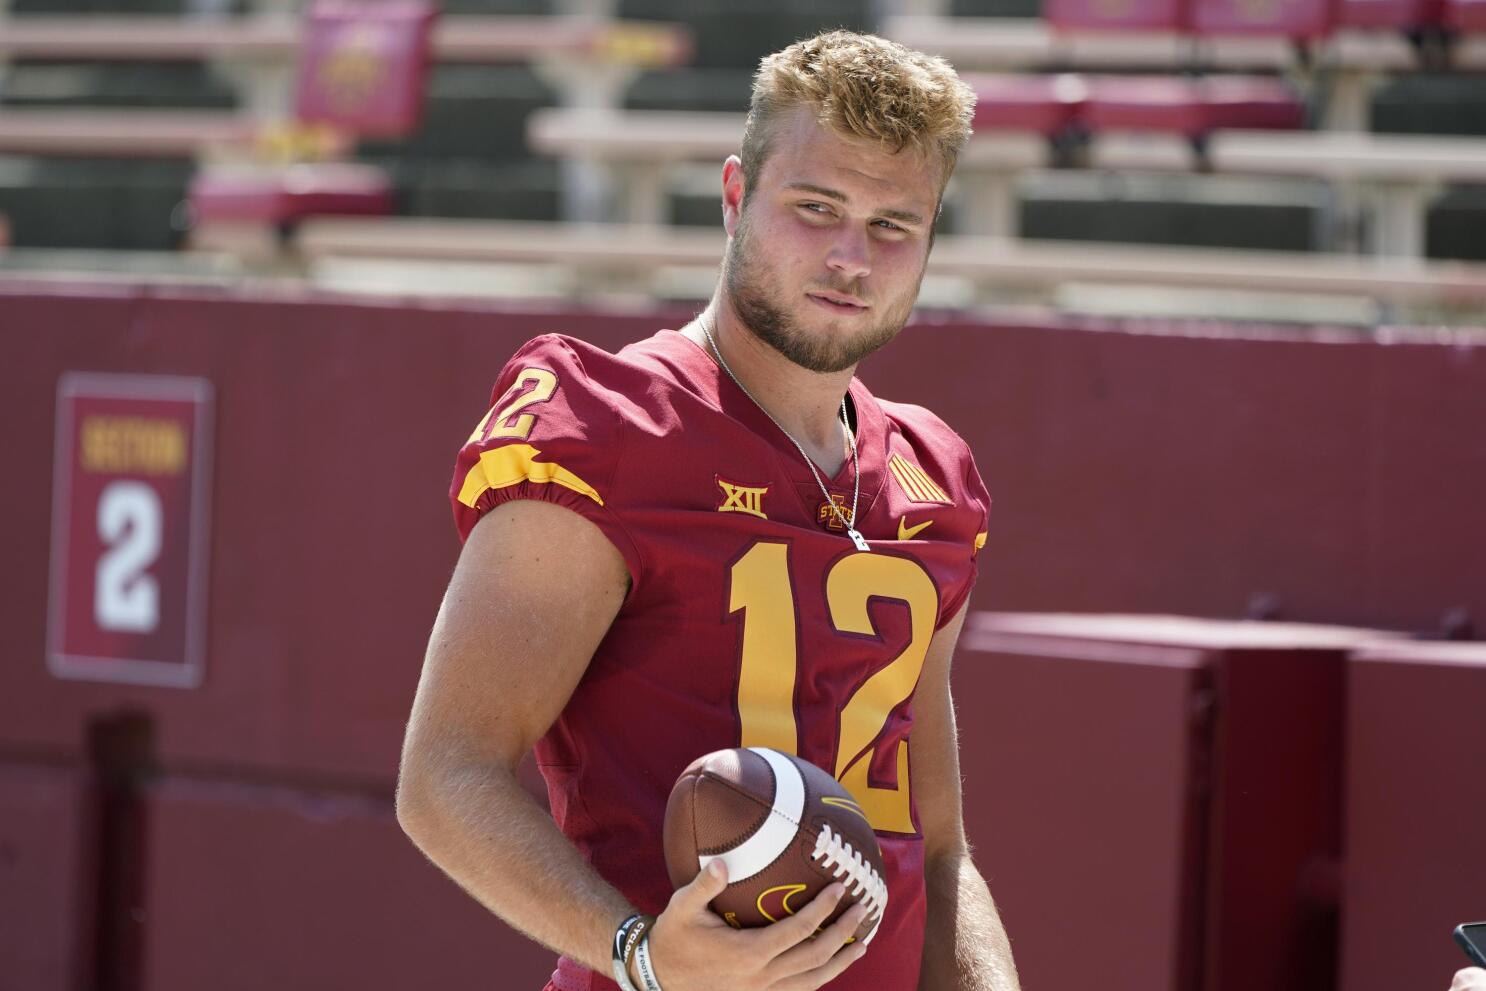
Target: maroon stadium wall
x=240 y=832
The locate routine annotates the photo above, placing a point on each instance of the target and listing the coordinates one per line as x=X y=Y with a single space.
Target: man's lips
x=837 y=301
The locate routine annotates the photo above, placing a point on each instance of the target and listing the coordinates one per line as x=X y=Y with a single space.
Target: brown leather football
x=785 y=829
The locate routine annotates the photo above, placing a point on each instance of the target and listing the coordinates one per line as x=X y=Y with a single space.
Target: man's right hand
x=694 y=950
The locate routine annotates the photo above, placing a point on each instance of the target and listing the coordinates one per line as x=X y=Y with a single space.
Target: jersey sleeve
x=975 y=503
x=551 y=433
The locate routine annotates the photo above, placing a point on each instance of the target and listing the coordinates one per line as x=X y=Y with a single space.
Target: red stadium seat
x=361 y=74
x=1190 y=107
x=1396 y=15
x=1258 y=102
x=1300 y=19
x=1466 y=15
x=284 y=196
x=1116 y=14
x=1046 y=105
x=362 y=66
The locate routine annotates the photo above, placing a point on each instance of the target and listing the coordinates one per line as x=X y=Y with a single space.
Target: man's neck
x=806 y=404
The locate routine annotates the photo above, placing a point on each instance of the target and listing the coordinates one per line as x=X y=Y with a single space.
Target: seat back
x=362 y=66
x=1300 y=19
x=1398 y=15
x=1135 y=15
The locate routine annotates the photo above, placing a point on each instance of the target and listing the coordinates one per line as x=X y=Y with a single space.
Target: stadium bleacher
x=1161 y=112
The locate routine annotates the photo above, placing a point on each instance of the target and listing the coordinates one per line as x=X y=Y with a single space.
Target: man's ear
x=732 y=194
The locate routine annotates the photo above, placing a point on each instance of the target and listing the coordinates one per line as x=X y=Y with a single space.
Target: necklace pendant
x=859 y=540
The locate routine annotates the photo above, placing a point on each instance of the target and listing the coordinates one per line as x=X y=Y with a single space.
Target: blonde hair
x=860 y=85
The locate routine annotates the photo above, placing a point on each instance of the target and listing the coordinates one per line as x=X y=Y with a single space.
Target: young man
x=717 y=538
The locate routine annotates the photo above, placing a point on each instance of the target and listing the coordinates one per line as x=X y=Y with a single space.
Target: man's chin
x=824 y=356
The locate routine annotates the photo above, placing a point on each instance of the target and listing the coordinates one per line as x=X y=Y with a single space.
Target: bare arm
x=534 y=581
x=965 y=945
x=536 y=588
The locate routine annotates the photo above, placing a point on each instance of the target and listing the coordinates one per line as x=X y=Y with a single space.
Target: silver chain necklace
x=856 y=471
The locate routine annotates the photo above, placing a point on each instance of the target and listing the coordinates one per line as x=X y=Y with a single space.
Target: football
x=784 y=828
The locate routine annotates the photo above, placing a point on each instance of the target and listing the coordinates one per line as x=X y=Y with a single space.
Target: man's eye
x=815 y=207
x=890 y=226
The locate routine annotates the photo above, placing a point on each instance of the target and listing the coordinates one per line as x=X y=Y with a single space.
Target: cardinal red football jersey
x=752 y=619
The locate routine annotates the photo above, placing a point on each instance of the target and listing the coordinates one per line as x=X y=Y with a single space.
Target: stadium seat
x=286 y=196
x=362 y=68
x=1190 y=107
x=1397 y=15
x=1116 y=14
x=1045 y=104
x=361 y=73
x=1303 y=20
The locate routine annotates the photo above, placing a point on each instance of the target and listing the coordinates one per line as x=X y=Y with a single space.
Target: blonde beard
x=770 y=323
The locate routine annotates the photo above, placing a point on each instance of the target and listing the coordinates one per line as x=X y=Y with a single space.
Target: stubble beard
x=747 y=284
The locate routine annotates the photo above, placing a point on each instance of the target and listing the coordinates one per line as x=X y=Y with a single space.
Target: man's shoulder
x=931 y=461
x=637 y=368
x=922 y=427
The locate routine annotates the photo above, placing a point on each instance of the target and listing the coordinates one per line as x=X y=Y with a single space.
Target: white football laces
x=833 y=852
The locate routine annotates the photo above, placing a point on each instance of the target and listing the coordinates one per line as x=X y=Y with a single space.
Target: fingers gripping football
x=785 y=829
x=694 y=950
x=762 y=841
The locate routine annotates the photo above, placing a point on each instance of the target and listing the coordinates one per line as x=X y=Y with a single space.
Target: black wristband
x=624 y=947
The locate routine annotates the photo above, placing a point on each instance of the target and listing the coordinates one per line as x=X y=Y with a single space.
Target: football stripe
x=773 y=838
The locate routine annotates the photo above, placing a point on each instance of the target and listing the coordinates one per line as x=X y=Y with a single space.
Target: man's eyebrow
x=906 y=216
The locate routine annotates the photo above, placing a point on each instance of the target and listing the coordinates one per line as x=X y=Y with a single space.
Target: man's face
x=825 y=261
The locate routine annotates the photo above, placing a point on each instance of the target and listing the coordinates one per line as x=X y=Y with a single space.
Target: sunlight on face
x=829 y=251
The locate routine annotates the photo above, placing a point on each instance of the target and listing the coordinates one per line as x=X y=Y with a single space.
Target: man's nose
x=850 y=254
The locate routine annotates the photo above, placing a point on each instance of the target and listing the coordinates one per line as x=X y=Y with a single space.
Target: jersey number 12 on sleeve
x=532 y=385
x=761 y=587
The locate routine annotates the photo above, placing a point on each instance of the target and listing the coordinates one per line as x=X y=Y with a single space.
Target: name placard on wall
x=130 y=506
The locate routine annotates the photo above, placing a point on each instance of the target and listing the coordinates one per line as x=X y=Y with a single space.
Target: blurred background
x=1208 y=302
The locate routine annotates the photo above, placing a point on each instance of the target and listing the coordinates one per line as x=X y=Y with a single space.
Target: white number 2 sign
x=131 y=505
x=126 y=598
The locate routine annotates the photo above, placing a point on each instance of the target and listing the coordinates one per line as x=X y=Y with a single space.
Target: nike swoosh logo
x=906 y=532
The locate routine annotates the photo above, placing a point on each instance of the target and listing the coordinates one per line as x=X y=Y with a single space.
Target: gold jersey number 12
x=761 y=587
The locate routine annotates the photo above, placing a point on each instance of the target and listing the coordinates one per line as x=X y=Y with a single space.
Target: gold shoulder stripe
x=980 y=540
x=915 y=482
x=512 y=464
